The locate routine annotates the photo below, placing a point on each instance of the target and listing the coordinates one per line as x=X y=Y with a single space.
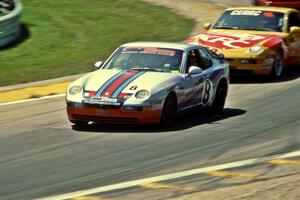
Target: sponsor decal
x=254 y=13
x=247 y=12
x=149 y=50
x=269 y=14
x=134 y=87
x=207 y=92
x=230 y=41
x=100 y=100
x=102 y=112
x=104 y=101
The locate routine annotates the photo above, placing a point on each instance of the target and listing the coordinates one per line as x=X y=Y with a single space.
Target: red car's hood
x=235 y=39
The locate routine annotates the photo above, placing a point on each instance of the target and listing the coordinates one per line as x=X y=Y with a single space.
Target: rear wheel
x=220 y=98
x=278 y=66
x=79 y=123
x=169 y=111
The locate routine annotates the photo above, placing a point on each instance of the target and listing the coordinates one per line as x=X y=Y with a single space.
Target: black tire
x=218 y=104
x=278 y=66
x=169 y=111
x=79 y=123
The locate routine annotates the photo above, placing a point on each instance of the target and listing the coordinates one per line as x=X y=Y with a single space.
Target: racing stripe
x=126 y=83
x=119 y=81
x=109 y=82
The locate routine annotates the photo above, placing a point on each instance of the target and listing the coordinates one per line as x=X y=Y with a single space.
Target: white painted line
x=30 y=100
x=170 y=176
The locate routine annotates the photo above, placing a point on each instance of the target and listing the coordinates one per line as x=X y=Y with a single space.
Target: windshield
x=251 y=20
x=146 y=58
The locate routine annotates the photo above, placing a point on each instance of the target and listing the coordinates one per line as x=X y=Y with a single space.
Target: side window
x=193 y=59
x=294 y=20
x=206 y=59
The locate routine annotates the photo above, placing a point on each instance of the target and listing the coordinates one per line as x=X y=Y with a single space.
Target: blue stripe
x=109 y=82
x=126 y=83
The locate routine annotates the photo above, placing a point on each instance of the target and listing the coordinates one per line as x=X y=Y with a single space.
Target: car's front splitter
x=104 y=115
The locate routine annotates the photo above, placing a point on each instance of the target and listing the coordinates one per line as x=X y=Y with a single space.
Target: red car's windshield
x=251 y=20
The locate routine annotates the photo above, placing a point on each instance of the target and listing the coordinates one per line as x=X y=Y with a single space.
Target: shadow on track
x=184 y=121
x=291 y=74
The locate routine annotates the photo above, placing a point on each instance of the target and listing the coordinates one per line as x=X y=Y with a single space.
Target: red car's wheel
x=278 y=66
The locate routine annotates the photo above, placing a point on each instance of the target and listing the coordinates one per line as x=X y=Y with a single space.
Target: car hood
x=120 y=83
x=236 y=40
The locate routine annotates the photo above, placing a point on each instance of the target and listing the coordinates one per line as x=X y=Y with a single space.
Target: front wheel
x=169 y=111
x=278 y=66
x=220 y=98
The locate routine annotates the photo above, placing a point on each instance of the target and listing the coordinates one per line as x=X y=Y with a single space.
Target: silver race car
x=149 y=82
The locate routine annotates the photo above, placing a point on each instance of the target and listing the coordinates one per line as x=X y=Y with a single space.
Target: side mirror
x=295 y=29
x=207 y=26
x=195 y=70
x=98 y=64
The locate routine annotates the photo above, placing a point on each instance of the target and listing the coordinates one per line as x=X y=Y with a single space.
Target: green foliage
x=68 y=36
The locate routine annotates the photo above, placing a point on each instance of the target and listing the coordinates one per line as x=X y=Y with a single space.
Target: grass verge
x=67 y=37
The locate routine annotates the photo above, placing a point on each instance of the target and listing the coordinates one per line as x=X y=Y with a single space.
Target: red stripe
x=122 y=95
x=118 y=82
x=92 y=93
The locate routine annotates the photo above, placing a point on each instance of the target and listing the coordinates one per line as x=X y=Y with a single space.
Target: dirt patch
x=200 y=12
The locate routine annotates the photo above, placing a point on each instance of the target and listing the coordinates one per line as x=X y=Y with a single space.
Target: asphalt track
x=42 y=155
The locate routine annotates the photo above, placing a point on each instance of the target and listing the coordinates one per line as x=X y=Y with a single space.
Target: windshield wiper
x=259 y=29
x=148 y=69
x=225 y=27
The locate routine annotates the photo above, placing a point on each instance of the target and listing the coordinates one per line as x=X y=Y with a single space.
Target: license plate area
x=102 y=112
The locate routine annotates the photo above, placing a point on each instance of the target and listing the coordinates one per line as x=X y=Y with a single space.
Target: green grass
x=68 y=36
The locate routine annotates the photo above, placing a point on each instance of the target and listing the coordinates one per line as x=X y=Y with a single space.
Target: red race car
x=278 y=3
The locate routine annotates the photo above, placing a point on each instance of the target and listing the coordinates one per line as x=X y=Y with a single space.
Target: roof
x=172 y=45
x=264 y=8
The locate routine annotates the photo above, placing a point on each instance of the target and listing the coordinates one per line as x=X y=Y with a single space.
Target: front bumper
x=250 y=66
x=80 y=112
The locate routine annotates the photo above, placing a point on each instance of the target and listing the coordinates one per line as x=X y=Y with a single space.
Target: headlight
x=142 y=94
x=75 y=90
x=256 y=49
